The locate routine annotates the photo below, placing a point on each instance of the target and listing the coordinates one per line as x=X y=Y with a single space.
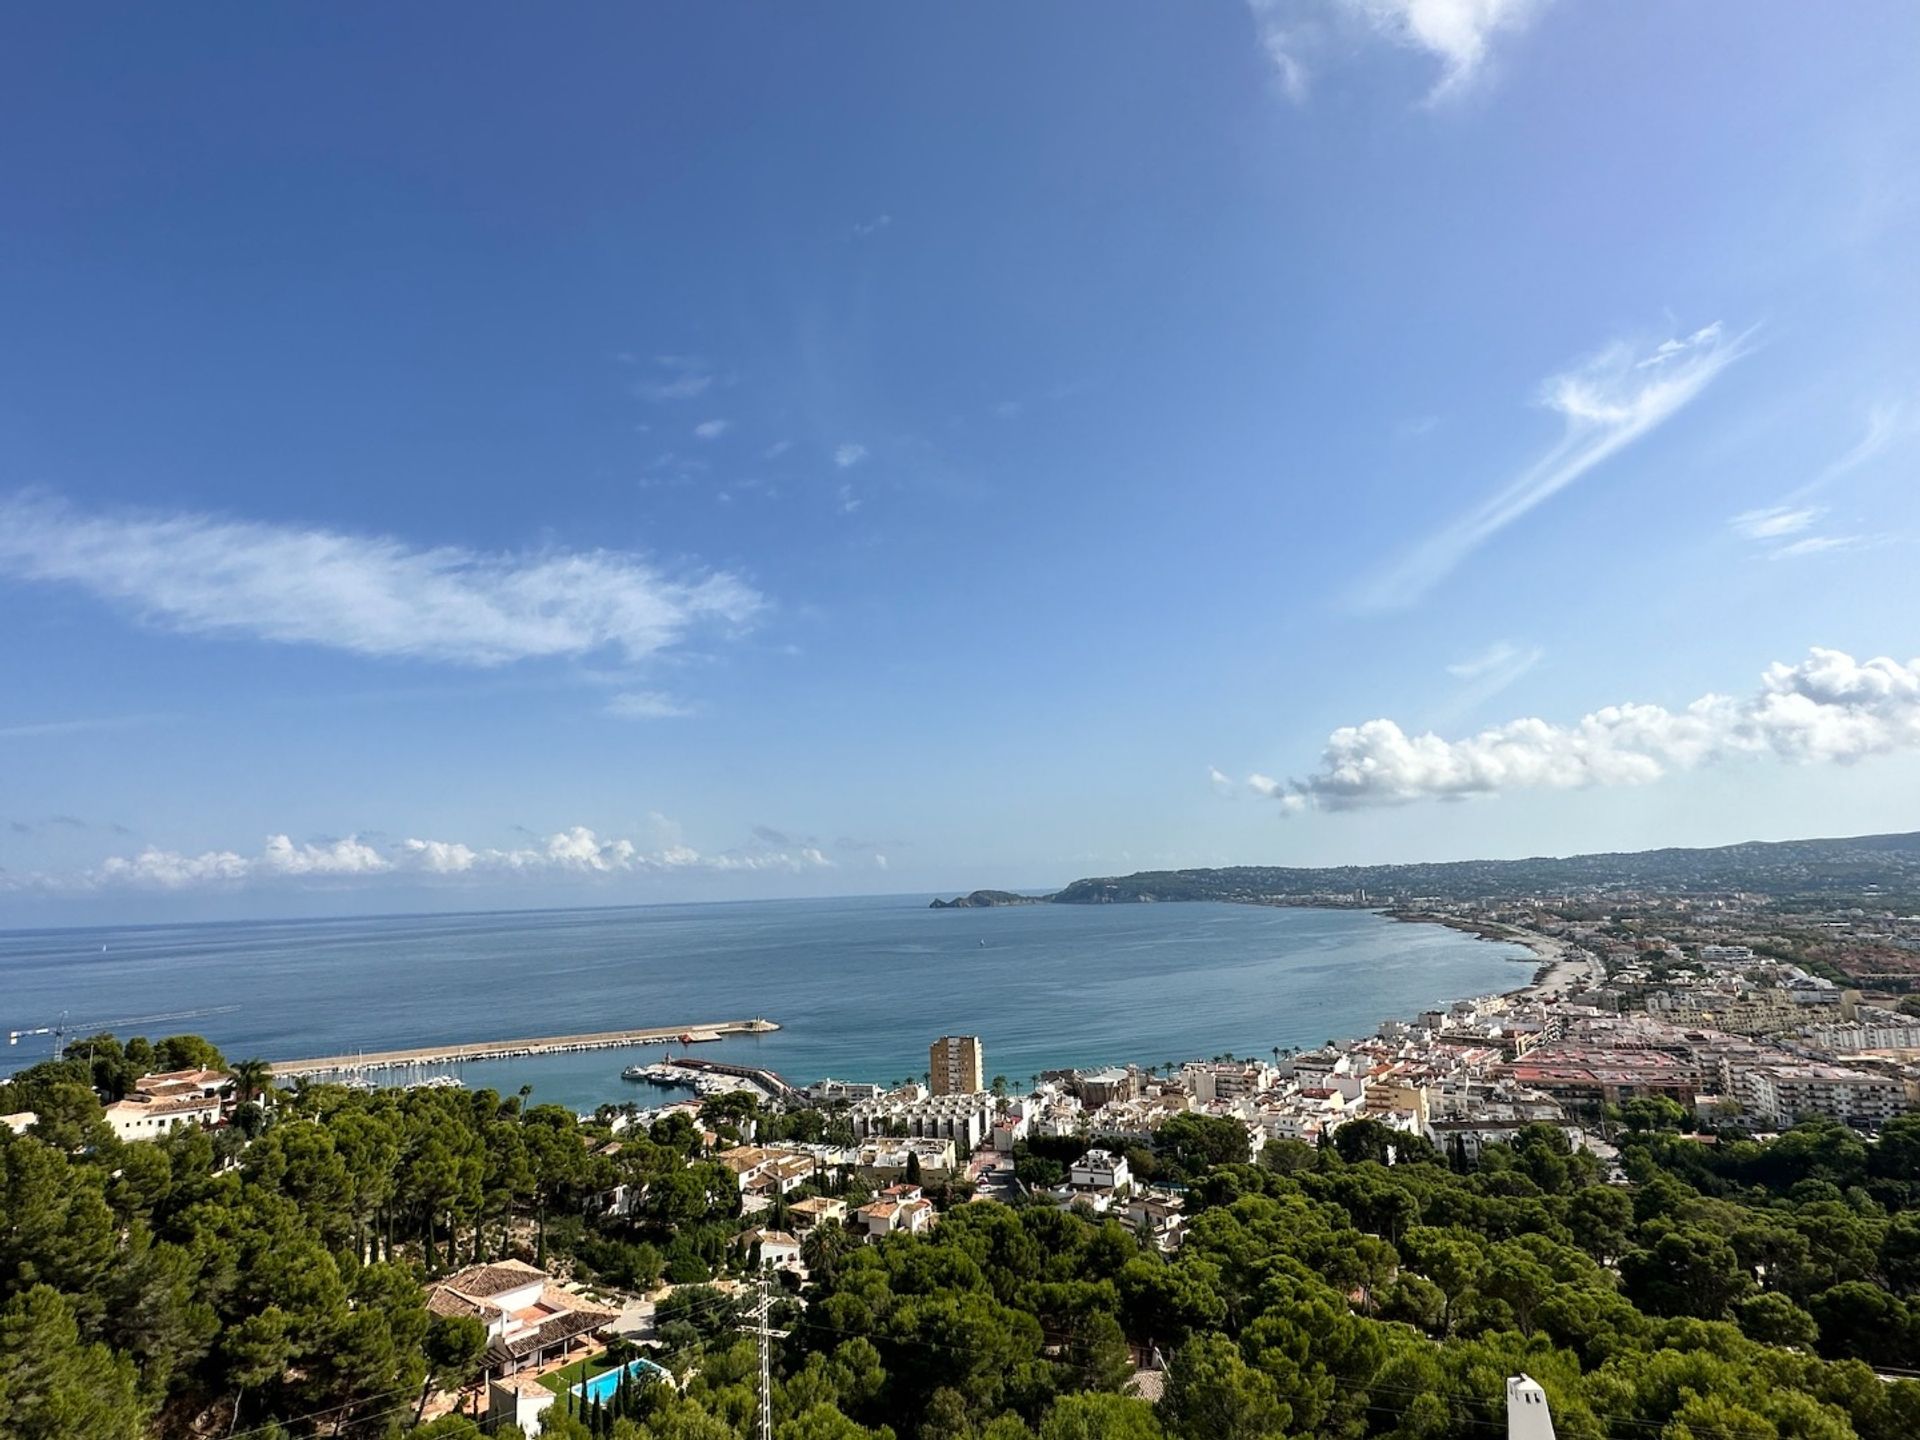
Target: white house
x=1100 y=1170
x=519 y=1400
x=1161 y=1217
x=901 y=1209
x=804 y=1215
x=148 y=1117
x=529 y=1319
x=766 y=1170
x=779 y=1249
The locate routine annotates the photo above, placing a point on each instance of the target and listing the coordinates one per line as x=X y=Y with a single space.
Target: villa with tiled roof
x=529 y=1319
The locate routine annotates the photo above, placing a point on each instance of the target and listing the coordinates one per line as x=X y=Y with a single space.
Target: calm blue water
x=861 y=986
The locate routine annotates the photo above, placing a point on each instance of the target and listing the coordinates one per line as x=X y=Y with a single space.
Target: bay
x=860 y=986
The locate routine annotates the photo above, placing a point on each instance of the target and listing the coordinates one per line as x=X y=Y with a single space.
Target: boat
x=663 y=1075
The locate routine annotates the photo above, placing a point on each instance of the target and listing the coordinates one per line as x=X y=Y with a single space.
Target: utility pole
x=762 y=1314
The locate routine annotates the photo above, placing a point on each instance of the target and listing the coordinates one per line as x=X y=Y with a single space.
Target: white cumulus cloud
x=369 y=594
x=1828 y=707
x=1460 y=34
x=1605 y=404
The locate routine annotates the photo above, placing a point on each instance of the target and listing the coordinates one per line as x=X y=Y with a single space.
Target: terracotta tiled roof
x=479 y=1281
x=442 y=1301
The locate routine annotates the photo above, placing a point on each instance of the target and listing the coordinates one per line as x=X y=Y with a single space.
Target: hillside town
x=1700 y=1025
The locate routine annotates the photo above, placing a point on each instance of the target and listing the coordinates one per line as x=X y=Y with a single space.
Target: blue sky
x=460 y=456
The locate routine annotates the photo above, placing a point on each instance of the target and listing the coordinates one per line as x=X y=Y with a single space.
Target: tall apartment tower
x=954 y=1065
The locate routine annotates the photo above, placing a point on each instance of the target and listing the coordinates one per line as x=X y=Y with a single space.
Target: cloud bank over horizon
x=575 y=852
x=1827 y=708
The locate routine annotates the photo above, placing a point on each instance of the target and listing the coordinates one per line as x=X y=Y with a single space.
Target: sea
x=859 y=987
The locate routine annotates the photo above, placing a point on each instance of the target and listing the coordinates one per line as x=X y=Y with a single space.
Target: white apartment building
x=1782 y=1094
x=1211 y=1081
x=965 y=1119
x=1898 y=1035
x=890 y=1156
x=827 y=1092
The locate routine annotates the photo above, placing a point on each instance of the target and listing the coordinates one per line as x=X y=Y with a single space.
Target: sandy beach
x=1562 y=965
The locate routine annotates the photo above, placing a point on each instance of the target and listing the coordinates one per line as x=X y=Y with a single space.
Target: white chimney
x=1527 y=1416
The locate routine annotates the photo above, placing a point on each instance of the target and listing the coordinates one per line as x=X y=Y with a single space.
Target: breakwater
x=517 y=1049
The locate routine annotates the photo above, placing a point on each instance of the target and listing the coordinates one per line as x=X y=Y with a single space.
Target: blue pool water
x=602 y=1386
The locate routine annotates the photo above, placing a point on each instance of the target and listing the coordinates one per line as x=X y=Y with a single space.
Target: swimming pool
x=602 y=1386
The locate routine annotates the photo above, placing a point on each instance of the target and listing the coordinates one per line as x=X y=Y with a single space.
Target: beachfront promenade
x=508 y=1049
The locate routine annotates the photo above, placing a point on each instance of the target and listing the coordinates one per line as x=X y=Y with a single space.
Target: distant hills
x=1861 y=864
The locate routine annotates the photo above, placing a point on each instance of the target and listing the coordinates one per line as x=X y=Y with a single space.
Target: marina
x=438 y=1055
x=713 y=1077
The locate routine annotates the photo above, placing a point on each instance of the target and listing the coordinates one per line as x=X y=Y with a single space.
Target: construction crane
x=62 y=1028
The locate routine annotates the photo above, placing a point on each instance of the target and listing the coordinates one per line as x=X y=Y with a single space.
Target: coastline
x=1558 y=964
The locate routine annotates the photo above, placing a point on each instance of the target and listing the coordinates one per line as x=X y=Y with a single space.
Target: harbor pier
x=445 y=1054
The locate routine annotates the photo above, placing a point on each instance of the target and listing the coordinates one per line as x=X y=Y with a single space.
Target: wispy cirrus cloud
x=1485 y=675
x=1886 y=425
x=1826 y=708
x=33 y=729
x=1460 y=34
x=848 y=455
x=1605 y=404
x=47 y=825
x=1821 y=545
x=1498 y=657
x=646 y=705
x=1775 y=521
x=577 y=851
x=712 y=429
x=676 y=377
x=367 y=594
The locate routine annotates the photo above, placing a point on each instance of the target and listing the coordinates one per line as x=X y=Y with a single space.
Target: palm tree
x=820 y=1252
x=252 y=1079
